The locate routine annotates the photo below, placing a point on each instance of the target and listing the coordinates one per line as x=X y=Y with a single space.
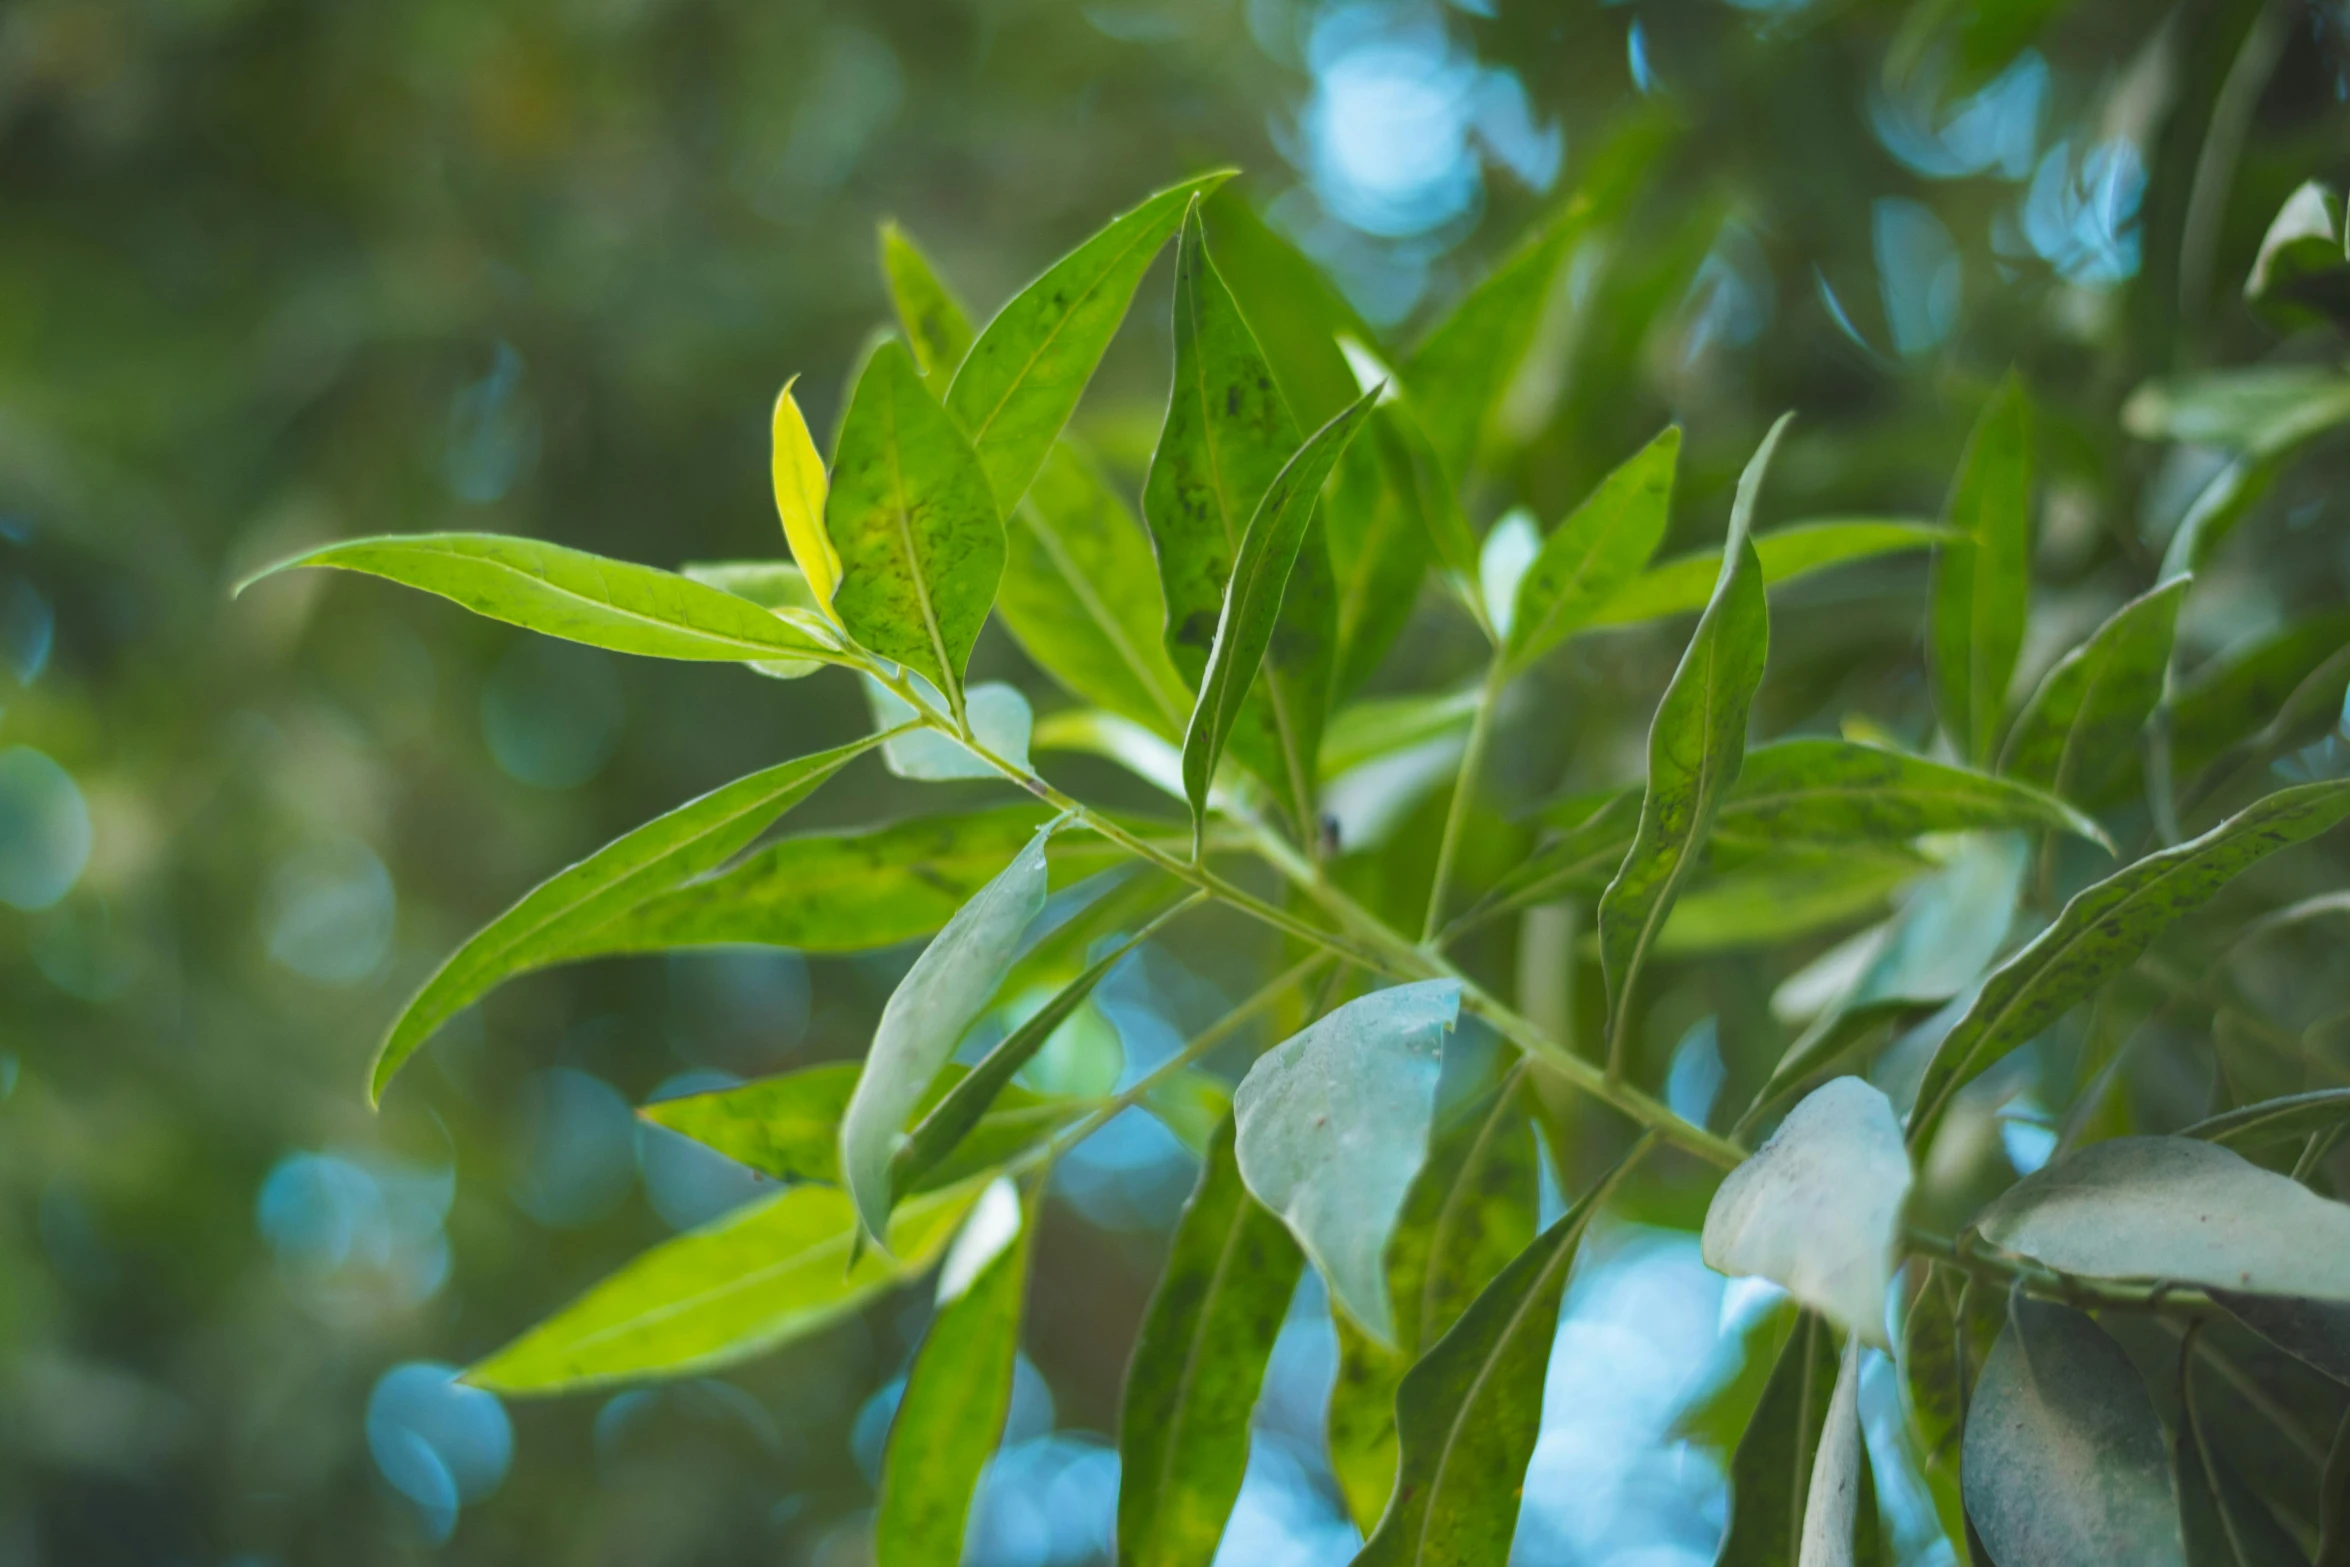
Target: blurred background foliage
x=275 y=272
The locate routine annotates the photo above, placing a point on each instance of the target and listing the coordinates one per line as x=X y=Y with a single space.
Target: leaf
x=1081 y=594
x=566 y=911
x=770 y=584
x=2087 y=713
x=2058 y=1398
x=1333 y=1124
x=1227 y=437
x=788 y=1126
x=2333 y=1546
x=1945 y=1340
x=1695 y=744
x=1580 y=861
x=849 y=891
x=2234 y=696
x=1401 y=440
x=1467 y=1415
x=2223 y=1523
x=1817 y=1209
x=2261 y=412
x=937 y=327
x=963 y=1107
x=800 y=488
x=1591 y=556
x=1379 y=548
x=2291 y=1118
x=958 y=1392
x=1457 y=373
x=1831 y=1506
x=2177 y=1209
x=1836 y=791
x=1252 y=600
x=1472 y=1208
x=579 y=597
x=2105 y=928
x=1000 y=719
x=1683 y=584
x=1770 y=1472
x=921 y=542
x=1982 y=581
x=1385 y=726
x=1296 y=315
x=767 y=1273
x=1785 y=894
x=941 y=996
x=1183 y=1425
x=1022 y=378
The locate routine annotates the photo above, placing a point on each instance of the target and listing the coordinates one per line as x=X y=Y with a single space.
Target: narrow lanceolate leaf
x=800 y=488
x=1183 y=1425
x=579 y=597
x=2233 y=697
x=1770 y=1474
x=2084 y=720
x=1473 y=1207
x=1695 y=745
x=2223 y=1522
x=936 y=326
x=958 y=1392
x=1297 y=315
x=1227 y=437
x=2292 y=1118
x=1252 y=600
x=1839 y=1470
x=1379 y=549
x=565 y=911
x=1945 y=1340
x=1081 y=594
x=1982 y=581
x=788 y=1126
x=1682 y=585
x=2104 y=929
x=770 y=584
x=1836 y=791
x=1601 y=546
x=920 y=540
x=962 y=1109
x=1468 y=1413
x=848 y=891
x=2175 y=1208
x=1580 y=861
x=1817 y=1209
x=2060 y=1399
x=763 y=1275
x=940 y=997
x=1457 y=374
x=1333 y=1124
x=1022 y=378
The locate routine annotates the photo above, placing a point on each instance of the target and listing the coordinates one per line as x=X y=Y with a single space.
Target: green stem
x=1464 y=792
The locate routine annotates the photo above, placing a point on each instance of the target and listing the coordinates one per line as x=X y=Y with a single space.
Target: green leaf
x=2223 y=1522
x=2293 y=1117
x=1333 y=1124
x=579 y=597
x=1770 y=1474
x=1457 y=373
x=1252 y=600
x=1183 y=1425
x=1022 y=378
x=1473 y=1207
x=964 y=1106
x=2085 y=718
x=1839 y=1473
x=1837 y=1039
x=2232 y=698
x=2261 y=412
x=1785 y=894
x=1695 y=745
x=2175 y=1208
x=849 y=891
x=1945 y=1339
x=788 y=1126
x=1468 y=1413
x=1580 y=861
x=1384 y=726
x=1296 y=315
x=941 y=996
x=1592 y=555
x=921 y=542
x=2105 y=928
x=1817 y=1209
x=568 y=911
x=2333 y=1544
x=2060 y=1398
x=1683 y=584
x=958 y=1392
x=770 y=584
x=1081 y=594
x=1379 y=548
x=1000 y=719
x=1983 y=580
x=933 y=319
x=1410 y=458
x=767 y=1273
x=1227 y=437
x=1836 y=791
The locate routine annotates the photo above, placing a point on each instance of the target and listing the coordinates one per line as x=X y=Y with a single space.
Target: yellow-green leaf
x=800 y=489
x=1983 y=579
